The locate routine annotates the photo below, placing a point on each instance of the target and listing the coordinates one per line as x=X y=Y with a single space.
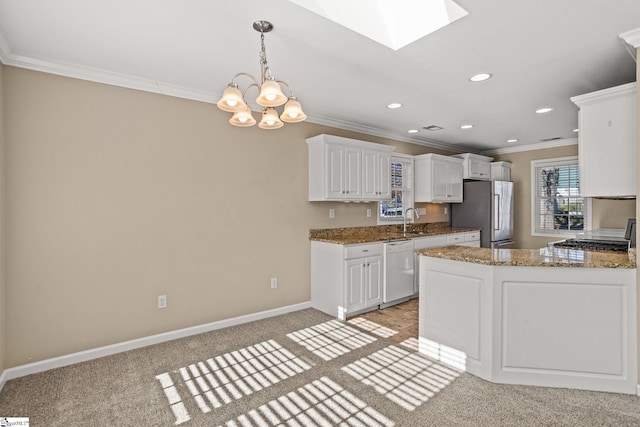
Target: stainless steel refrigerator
x=488 y=205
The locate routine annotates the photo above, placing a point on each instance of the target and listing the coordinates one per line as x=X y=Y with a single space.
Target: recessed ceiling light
x=466 y=126
x=543 y=110
x=413 y=131
x=576 y=130
x=480 y=77
x=512 y=140
x=394 y=105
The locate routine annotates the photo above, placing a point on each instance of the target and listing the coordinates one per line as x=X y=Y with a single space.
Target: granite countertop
x=382 y=233
x=544 y=257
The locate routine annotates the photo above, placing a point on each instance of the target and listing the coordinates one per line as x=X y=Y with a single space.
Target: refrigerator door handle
x=496 y=212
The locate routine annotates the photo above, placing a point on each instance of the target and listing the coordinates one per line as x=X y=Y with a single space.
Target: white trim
x=530 y=147
x=95 y=353
x=600 y=95
x=632 y=37
x=4 y=379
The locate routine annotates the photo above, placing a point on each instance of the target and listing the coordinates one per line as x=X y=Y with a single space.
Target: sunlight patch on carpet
x=373 y=327
x=223 y=379
x=319 y=403
x=404 y=377
x=411 y=343
x=331 y=339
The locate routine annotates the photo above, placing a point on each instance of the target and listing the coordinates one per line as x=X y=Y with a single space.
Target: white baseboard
x=82 y=356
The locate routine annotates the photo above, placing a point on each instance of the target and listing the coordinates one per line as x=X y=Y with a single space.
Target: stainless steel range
x=598 y=240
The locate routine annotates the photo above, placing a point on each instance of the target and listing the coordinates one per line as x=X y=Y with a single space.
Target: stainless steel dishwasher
x=398 y=270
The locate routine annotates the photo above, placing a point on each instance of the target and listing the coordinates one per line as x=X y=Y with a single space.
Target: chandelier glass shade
x=269 y=97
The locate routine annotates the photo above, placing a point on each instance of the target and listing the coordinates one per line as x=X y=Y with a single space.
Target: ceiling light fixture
x=512 y=140
x=413 y=131
x=466 y=126
x=543 y=110
x=270 y=96
x=480 y=77
x=394 y=105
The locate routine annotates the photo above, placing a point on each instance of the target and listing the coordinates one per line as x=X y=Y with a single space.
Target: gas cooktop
x=598 y=240
x=594 y=245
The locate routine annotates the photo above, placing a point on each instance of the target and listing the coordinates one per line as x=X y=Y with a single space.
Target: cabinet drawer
x=454 y=239
x=359 y=251
x=429 y=242
x=470 y=237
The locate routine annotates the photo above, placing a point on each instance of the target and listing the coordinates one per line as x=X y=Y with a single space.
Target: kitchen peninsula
x=548 y=317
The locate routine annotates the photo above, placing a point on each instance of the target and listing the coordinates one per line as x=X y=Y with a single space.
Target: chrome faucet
x=404 y=219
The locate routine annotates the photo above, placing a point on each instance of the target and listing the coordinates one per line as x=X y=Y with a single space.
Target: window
x=390 y=211
x=557 y=208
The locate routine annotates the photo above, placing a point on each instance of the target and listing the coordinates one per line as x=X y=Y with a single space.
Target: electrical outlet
x=446 y=210
x=368 y=212
x=332 y=213
x=162 y=301
x=274 y=282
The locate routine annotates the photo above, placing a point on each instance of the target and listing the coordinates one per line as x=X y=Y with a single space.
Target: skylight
x=392 y=23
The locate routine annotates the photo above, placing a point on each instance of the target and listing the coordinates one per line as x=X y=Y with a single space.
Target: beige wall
x=3 y=283
x=606 y=213
x=115 y=196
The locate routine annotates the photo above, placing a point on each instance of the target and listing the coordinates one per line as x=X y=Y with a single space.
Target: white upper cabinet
x=348 y=170
x=607 y=142
x=475 y=166
x=438 y=178
x=500 y=171
x=376 y=178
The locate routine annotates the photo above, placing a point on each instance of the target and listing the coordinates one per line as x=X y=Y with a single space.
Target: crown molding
x=632 y=37
x=531 y=147
x=370 y=130
x=131 y=82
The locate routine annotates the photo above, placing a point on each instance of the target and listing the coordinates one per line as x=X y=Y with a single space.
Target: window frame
x=555 y=162
x=410 y=204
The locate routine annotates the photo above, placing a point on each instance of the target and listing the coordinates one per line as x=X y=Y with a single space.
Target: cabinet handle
x=368 y=264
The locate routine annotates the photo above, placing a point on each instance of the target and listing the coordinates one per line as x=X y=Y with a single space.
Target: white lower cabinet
x=348 y=279
x=363 y=283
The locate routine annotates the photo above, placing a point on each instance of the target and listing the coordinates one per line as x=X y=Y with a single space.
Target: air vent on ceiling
x=555 y=138
x=432 y=127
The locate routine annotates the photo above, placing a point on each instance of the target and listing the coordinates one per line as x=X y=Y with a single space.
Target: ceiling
x=540 y=53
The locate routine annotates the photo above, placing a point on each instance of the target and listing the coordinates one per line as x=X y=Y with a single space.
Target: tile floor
x=401 y=318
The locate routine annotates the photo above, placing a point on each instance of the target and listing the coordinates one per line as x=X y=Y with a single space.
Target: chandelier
x=270 y=96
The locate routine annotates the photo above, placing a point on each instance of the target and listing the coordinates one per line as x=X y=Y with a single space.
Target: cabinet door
x=384 y=176
x=335 y=168
x=373 y=281
x=454 y=178
x=354 y=284
x=376 y=182
x=479 y=169
x=370 y=175
x=440 y=181
x=353 y=173
x=607 y=147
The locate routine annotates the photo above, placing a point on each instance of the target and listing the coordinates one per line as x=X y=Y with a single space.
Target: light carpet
x=299 y=369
